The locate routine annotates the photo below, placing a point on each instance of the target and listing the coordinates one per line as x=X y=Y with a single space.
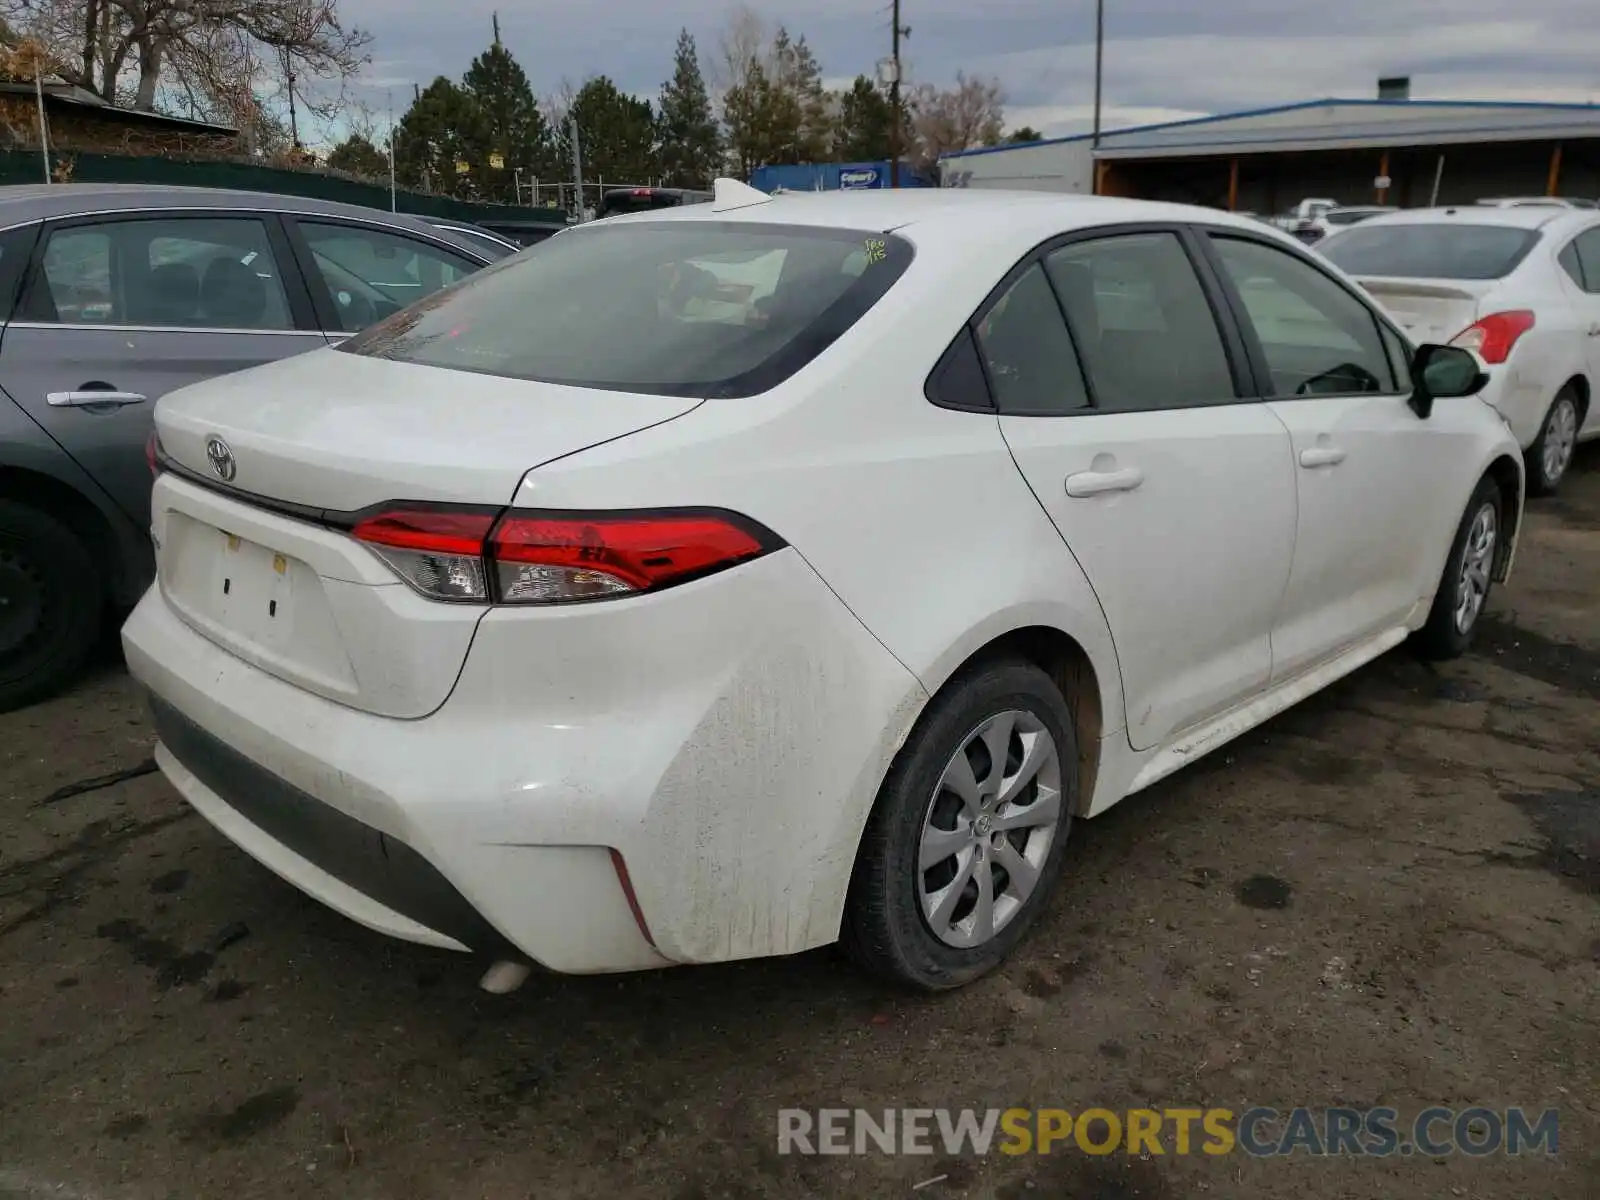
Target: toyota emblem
x=221 y=459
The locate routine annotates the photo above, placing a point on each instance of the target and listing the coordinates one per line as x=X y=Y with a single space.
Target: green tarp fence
x=26 y=167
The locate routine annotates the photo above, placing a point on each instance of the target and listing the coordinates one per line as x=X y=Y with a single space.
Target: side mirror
x=1441 y=373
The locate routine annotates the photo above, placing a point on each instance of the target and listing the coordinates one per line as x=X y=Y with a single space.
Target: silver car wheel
x=1477 y=563
x=988 y=829
x=1560 y=437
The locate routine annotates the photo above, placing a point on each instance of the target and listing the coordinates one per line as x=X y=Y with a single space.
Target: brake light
x=1493 y=337
x=552 y=557
x=439 y=552
x=152 y=453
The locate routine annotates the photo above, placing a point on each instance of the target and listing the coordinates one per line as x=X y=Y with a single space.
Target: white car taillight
x=1494 y=336
x=526 y=556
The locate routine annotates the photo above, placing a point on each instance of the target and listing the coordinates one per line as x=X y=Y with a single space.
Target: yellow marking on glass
x=233 y=541
x=877 y=250
x=280 y=564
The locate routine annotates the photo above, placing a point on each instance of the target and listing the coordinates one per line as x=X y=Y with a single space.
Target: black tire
x=52 y=603
x=1443 y=636
x=1540 y=481
x=884 y=929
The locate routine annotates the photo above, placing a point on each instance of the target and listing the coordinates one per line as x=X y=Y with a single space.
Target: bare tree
x=557 y=105
x=745 y=44
x=971 y=113
x=201 y=51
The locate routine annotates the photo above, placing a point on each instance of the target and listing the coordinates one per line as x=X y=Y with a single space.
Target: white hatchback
x=1519 y=283
x=622 y=607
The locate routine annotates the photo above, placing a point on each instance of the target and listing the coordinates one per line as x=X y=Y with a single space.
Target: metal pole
x=894 y=102
x=1438 y=176
x=393 y=200
x=577 y=164
x=1099 y=62
x=44 y=130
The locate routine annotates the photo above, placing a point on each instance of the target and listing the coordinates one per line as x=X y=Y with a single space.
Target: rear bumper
x=725 y=738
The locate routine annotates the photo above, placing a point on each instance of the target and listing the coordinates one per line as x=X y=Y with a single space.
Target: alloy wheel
x=988 y=829
x=1560 y=437
x=1477 y=563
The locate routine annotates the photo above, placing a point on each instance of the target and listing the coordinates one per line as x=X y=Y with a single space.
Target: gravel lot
x=1390 y=895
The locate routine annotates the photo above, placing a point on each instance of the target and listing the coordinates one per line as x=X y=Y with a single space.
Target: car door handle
x=1594 y=330
x=91 y=398
x=1096 y=483
x=1321 y=456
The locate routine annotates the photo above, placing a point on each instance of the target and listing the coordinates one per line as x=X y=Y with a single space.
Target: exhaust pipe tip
x=505 y=977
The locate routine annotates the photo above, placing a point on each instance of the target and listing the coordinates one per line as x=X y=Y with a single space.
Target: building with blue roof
x=1390 y=150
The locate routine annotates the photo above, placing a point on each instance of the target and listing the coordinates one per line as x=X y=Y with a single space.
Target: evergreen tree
x=1027 y=133
x=616 y=133
x=691 y=142
x=864 y=124
x=357 y=155
x=436 y=135
x=512 y=130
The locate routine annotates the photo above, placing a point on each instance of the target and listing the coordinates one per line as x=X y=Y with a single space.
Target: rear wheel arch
x=1064 y=659
x=69 y=506
x=1579 y=386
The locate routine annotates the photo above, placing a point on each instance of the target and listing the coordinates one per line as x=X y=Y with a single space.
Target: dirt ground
x=1390 y=895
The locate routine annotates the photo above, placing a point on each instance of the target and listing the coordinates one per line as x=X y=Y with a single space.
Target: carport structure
x=1407 y=153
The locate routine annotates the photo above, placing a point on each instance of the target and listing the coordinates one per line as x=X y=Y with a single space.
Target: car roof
x=1512 y=216
x=21 y=204
x=887 y=209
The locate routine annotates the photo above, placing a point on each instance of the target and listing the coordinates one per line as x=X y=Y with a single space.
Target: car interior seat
x=232 y=296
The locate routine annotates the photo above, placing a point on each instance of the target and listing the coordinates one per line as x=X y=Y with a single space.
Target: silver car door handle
x=1096 y=483
x=88 y=399
x=1594 y=331
x=1321 y=456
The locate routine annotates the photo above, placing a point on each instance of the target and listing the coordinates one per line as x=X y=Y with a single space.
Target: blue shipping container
x=832 y=177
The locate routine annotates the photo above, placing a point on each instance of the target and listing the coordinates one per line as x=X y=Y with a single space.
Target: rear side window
x=1141 y=323
x=1588 y=251
x=1420 y=251
x=1028 y=353
x=675 y=308
x=1568 y=258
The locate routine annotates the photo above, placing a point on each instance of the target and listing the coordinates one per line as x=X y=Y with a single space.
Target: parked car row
x=1519 y=284
x=810 y=595
x=111 y=297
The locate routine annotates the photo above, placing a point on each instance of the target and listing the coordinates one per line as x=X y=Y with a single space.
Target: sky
x=1164 y=59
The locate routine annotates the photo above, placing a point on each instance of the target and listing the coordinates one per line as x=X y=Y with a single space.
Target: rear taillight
x=551 y=557
x=1493 y=337
x=152 y=453
x=439 y=552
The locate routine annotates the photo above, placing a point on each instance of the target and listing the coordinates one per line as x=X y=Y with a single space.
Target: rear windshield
x=1407 y=251
x=679 y=308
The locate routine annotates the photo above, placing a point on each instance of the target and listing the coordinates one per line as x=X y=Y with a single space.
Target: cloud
x=1164 y=59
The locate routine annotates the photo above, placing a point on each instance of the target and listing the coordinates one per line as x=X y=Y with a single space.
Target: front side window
x=372 y=274
x=195 y=273
x=1142 y=323
x=675 y=308
x=1028 y=353
x=1317 y=338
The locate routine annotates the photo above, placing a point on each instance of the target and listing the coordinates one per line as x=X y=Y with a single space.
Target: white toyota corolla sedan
x=743 y=578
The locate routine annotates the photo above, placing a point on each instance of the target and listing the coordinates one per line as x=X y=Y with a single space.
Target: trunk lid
x=1429 y=310
x=330 y=433
x=331 y=430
